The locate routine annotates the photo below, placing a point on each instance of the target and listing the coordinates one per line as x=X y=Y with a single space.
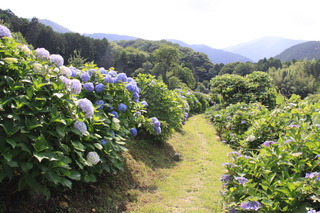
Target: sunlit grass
x=192 y=184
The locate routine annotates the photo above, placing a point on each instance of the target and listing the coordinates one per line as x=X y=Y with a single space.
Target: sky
x=216 y=23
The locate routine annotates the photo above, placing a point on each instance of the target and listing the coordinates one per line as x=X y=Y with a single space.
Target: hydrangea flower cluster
x=241 y=180
x=133 y=131
x=268 y=143
x=122 y=107
x=85 y=77
x=156 y=124
x=65 y=71
x=42 y=53
x=99 y=103
x=312 y=175
x=144 y=103
x=88 y=86
x=86 y=107
x=93 y=158
x=75 y=86
x=251 y=205
x=313 y=211
x=99 y=87
x=56 y=59
x=81 y=127
x=4 y=32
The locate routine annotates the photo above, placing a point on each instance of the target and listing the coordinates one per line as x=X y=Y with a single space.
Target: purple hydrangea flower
x=312 y=175
x=122 y=107
x=135 y=95
x=4 y=32
x=99 y=87
x=133 y=131
x=75 y=86
x=64 y=80
x=74 y=72
x=100 y=103
x=80 y=126
x=103 y=71
x=144 y=103
x=113 y=80
x=243 y=122
x=88 y=86
x=91 y=71
x=85 y=77
x=251 y=205
x=268 y=143
x=130 y=80
x=122 y=77
x=86 y=107
x=225 y=178
x=42 y=53
x=56 y=59
x=116 y=115
x=158 y=130
x=241 y=180
x=294 y=126
x=155 y=122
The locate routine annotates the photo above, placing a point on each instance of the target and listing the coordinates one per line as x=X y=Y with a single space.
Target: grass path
x=193 y=183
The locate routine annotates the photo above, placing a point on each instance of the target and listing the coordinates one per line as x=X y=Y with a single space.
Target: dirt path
x=193 y=183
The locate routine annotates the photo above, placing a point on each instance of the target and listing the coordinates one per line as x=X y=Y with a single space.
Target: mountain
x=264 y=47
x=56 y=27
x=307 y=50
x=111 y=37
x=217 y=56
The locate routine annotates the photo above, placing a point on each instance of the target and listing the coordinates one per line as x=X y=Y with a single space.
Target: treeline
x=177 y=66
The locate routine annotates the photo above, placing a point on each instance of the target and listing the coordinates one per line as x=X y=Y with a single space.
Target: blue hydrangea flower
x=135 y=95
x=241 y=180
x=107 y=79
x=130 y=80
x=122 y=107
x=243 y=122
x=93 y=158
x=80 y=126
x=133 y=131
x=122 y=77
x=56 y=59
x=113 y=73
x=100 y=103
x=86 y=107
x=103 y=142
x=99 y=87
x=132 y=87
x=42 y=53
x=251 y=205
x=144 y=103
x=116 y=115
x=186 y=115
x=73 y=73
x=158 y=130
x=113 y=80
x=103 y=71
x=91 y=71
x=85 y=77
x=75 y=86
x=88 y=86
x=4 y=32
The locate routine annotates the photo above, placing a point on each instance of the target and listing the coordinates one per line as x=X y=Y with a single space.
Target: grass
x=153 y=181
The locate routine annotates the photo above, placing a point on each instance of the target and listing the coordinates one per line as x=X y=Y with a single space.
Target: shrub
x=166 y=105
x=53 y=131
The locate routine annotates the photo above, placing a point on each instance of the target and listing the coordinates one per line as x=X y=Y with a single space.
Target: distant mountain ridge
x=111 y=37
x=56 y=27
x=264 y=47
x=217 y=56
x=307 y=50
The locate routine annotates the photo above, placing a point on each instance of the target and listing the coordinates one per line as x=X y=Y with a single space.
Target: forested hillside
x=307 y=50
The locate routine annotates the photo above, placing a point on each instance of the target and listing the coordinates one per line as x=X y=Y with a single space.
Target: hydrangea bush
x=54 y=129
x=280 y=174
x=167 y=106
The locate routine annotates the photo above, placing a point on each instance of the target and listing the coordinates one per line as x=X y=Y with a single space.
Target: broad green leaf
x=73 y=175
x=26 y=166
x=45 y=155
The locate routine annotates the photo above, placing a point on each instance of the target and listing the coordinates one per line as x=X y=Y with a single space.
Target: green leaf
x=45 y=155
x=73 y=175
x=12 y=142
x=41 y=144
x=26 y=166
x=66 y=182
x=98 y=146
x=77 y=145
x=61 y=131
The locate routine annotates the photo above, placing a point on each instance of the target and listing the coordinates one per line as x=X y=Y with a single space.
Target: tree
x=166 y=57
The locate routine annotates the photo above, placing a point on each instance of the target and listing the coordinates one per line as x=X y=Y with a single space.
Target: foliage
x=163 y=103
x=53 y=132
x=255 y=87
x=299 y=78
x=232 y=122
x=283 y=176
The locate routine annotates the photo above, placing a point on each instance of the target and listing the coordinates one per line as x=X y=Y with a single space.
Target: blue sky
x=217 y=23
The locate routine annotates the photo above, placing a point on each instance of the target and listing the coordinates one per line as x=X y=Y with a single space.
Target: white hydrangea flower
x=93 y=158
x=80 y=126
x=86 y=107
x=65 y=71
